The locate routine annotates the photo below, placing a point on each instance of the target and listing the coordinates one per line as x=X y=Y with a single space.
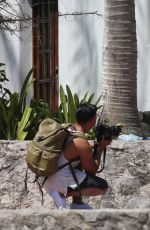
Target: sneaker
x=61 y=208
x=80 y=206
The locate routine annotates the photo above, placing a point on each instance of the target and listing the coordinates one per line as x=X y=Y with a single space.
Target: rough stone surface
x=127 y=171
x=104 y=219
x=128 y=174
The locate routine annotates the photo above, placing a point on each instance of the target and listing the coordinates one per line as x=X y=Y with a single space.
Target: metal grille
x=45 y=51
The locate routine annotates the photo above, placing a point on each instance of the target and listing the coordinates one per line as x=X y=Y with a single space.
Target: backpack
x=44 y=150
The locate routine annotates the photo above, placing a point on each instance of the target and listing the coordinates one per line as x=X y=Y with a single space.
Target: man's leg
x=87 y=192
x=77 y=202
x=59 y=200
x=91 y=186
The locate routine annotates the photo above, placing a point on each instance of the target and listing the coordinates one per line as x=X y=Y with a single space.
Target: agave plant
x=17 y=120
x=69 y=103
x=40 y=111
x=12 y=106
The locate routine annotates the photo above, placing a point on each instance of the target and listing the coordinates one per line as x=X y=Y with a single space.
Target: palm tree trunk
x=119 y=87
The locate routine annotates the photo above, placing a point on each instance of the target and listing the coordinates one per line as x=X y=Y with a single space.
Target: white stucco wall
x=80 y=49
x=16 y=53
x=143 y=41
x=80 y=43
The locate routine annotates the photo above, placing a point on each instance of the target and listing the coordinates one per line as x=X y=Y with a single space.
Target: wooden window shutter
x=45 y=51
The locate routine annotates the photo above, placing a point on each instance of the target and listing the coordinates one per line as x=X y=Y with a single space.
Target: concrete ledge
x=103 y=219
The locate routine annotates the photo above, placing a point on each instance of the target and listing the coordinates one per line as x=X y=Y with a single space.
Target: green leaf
x=91 y=98
x=76 y=100
x=63 y=103
x=3 y=120
x=24 y=91
x=5 y=124
x=84 y=99
x=98 y=100
x=71 y=106
x=2 y=64
x=13 y=115
x=25 y=120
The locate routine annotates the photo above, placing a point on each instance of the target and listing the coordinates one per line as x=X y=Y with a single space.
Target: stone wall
x=126 y=205
x=104 y=219
x=127 y=171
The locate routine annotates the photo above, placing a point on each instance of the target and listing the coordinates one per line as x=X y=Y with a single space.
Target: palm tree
x=119 y=87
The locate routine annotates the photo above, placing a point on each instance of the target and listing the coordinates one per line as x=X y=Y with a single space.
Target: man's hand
x=103 y=144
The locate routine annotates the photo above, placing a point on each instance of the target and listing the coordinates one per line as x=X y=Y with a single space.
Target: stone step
x=103 y=219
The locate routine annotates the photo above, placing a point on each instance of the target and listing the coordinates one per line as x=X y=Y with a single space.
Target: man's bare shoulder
x=76 y=147
x=82 y=145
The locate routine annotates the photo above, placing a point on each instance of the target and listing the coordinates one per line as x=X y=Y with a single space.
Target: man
x=63 y=183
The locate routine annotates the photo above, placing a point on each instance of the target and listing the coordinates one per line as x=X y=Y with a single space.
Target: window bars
x=45 y=51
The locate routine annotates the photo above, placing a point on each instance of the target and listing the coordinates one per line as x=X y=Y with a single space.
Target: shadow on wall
x=79 y=53
x=85 y=57
x=30 y=2
x=26 y=43
x=16 y=53
x=10 y=58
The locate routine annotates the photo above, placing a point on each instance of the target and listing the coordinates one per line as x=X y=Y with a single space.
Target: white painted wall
x=16 y=53
x=143 y=67
x=80 y=49
x=80 y=43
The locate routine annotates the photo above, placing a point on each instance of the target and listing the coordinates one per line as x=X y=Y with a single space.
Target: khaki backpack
x=44 y=150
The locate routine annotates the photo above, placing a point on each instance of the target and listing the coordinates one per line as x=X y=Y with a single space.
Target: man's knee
x=104 y=187
x=102 y=191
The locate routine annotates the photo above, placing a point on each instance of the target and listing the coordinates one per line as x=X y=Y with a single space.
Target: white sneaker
x=61 y=208
x=80 y=206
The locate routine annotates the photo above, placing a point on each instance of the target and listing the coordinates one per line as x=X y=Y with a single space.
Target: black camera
x=106 y=132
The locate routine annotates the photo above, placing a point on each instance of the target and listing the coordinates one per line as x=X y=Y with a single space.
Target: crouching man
x=63 y=183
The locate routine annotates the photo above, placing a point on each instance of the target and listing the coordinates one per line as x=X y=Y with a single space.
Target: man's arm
x=84 y=150
x=101 y=147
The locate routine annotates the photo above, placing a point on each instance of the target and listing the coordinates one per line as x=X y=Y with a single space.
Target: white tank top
x=63 y=178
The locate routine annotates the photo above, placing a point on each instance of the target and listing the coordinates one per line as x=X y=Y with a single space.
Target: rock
x=103 y=219
x=127 y=171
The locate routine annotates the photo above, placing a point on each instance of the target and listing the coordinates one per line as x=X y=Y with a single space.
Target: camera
x=106 y=132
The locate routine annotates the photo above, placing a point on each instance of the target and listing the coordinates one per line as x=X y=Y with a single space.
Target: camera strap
x=103 y=163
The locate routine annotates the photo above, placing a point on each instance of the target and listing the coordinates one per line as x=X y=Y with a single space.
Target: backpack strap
x=76 y=133
x=75 y=178
x=67 y=163
x=35 y=180
x=25 y=181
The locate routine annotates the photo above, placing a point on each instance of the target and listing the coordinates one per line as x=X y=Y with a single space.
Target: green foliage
x=4 y=92
x=12 y=106
x=20 y=122
x=25 y=121
x=17 y=120
x=41 y=111
x=69 y=103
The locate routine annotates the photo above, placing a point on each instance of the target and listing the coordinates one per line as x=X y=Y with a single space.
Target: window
x=45 y=51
